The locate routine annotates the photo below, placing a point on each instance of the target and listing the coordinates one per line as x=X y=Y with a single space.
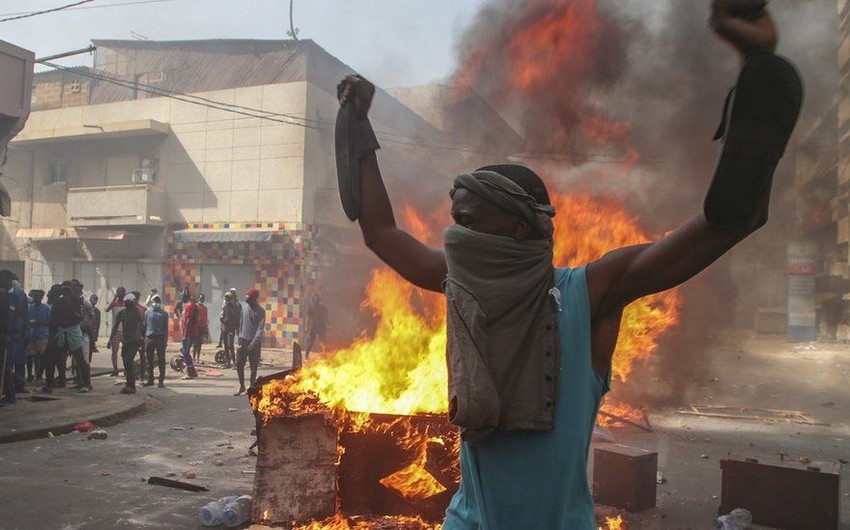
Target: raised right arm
x=422 y=266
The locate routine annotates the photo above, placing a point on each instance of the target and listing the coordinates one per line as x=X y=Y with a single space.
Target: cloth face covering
x=502 y=345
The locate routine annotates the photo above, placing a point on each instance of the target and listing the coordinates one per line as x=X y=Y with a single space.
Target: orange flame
x=547 y=52
x=401 y=369
x=614 y=523
x=554 y=56
x=340 y=522
x=585 y=229
x=414 y=482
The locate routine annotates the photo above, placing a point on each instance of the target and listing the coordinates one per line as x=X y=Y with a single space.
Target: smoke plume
x=622 y=99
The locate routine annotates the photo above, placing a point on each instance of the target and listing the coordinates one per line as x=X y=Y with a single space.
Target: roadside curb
x=65 y=424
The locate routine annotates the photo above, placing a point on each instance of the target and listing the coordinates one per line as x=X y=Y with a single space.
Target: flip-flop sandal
x=347 y=165
x=354 y=139
x=758 y=119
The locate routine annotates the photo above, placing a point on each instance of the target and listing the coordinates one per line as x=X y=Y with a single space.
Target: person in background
x=142 y=309
x=52 y=354
x=153 y=293
x=66 y=314
x=20 y=330
x=39 y=317
x=203 y=327
x=189 y=325
x=95 y=325
x=130 y=322
x=250 y=338
x=86 y=324
x=156 y=337
x=317 y=324
x=8 y=375
x=231 y=314
x=116 y=306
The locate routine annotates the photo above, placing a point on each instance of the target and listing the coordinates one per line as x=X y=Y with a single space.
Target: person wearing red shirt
x=191 y=334
x=203 y=327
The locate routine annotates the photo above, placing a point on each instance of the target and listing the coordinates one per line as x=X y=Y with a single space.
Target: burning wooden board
x=313 y=465
x=296 y=471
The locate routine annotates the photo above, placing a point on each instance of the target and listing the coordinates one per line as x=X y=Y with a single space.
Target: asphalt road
x=68 y=482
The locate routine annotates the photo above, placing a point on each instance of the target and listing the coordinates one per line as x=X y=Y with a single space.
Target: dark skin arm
x=422 y=266
x=616 y=279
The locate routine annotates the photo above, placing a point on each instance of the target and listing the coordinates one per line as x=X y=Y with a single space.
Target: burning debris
x=402 y=468
x=373 y=414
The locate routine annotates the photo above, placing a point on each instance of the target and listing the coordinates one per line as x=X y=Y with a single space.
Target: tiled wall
x=281 y=273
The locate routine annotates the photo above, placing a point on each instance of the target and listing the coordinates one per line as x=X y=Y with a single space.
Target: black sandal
x=758 y=118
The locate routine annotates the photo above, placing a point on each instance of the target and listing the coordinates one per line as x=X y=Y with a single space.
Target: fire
x=614 y=523
x=339 y=522
x=414 y=482
x=555 y=57
x=586 y=228
x=401 y=369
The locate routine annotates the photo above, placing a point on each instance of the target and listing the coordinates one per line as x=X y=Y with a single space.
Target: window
x=75 y=86
x=58 y=171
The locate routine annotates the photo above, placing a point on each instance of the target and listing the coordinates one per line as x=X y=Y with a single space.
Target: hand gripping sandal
x=758 y=118
x=354 y=140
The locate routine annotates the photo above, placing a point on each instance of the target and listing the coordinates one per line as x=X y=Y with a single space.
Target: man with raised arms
x=529 y=346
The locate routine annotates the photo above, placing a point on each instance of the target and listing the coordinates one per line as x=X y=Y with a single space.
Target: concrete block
x=624 y=477
x=296 y=471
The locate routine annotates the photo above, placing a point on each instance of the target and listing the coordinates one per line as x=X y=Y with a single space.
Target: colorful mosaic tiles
x=280 y=271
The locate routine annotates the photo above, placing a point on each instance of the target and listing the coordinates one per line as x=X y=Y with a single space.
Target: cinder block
x=782 y=493
x=624 y=477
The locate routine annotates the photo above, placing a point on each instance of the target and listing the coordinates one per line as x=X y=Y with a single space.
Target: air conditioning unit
x=144 y=174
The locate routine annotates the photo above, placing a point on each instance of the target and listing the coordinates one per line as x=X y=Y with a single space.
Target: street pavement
x=198 y=427
x=189 y=427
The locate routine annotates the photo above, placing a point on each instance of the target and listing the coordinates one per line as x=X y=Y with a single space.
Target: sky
x=392 y=42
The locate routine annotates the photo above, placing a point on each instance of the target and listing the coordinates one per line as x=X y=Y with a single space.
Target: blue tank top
x=529 y=480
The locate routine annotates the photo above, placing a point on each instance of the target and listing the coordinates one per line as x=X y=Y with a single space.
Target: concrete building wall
x=214 y=165
x=60 y=89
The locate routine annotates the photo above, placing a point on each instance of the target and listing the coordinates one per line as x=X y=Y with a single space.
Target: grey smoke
x=658 y=67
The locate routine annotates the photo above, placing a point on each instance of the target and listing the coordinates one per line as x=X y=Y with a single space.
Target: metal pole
x=89 y=49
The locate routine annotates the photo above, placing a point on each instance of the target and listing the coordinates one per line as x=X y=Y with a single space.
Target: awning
x=198 y=235
x=59 y=234
x=124 y=129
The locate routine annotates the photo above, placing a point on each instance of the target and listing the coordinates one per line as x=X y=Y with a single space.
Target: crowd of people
x=41 y=332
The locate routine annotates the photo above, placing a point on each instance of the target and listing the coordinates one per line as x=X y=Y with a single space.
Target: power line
x=319 y=125
x=204 y=102
x=101 y=6
x=44 y=12
x=182 y=96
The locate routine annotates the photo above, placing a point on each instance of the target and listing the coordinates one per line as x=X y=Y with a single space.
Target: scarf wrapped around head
x=508 y=195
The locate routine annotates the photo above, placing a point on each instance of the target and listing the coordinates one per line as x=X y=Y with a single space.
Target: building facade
x=199 y=164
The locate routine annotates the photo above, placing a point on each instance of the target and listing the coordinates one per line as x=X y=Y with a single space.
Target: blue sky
x=393 y=42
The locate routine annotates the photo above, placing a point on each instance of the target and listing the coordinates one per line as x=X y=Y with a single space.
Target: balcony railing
x=131 y=205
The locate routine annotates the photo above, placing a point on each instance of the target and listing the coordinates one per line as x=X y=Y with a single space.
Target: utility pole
x=293 y=31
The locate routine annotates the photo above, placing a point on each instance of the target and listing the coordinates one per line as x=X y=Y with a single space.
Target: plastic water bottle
x=737 y=519
x=212 y=513
x=237 y=511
